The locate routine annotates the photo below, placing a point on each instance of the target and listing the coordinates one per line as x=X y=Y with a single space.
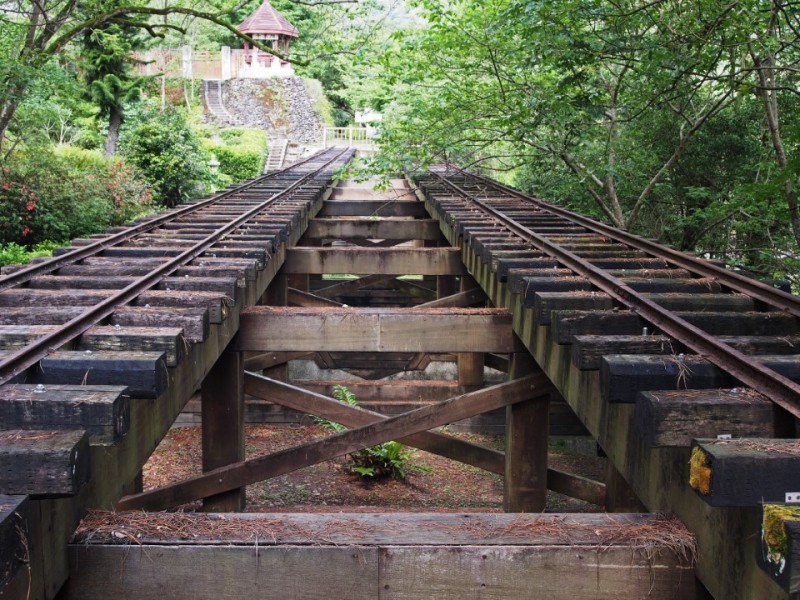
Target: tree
x=106 y=61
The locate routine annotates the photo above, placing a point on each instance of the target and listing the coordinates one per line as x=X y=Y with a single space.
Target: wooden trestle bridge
x=684 y=373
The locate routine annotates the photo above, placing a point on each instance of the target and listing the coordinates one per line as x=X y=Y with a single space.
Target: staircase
x=277 y=155
x=212 y=98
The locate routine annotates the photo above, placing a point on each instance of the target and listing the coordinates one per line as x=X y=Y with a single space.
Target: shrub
x=168 y=154
x=60 y=194
x=241 y=152
x=389 y=459
x=14 y=254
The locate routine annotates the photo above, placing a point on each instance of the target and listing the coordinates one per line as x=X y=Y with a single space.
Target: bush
x=60 y=194
x=168 y=154
x=14 y=254
x=241 y=152
x=389 y=459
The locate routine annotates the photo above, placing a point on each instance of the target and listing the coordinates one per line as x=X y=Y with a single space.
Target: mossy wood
x=750 y=471
x=779 y=550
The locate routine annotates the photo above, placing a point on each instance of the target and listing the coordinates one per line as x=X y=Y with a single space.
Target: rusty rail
x=781 y=390
x=30 y=354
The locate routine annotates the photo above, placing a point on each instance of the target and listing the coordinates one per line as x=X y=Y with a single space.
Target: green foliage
x=63 y=193
x=15 y=254
x=241 y=152
x=390 y=459
x=167 y=152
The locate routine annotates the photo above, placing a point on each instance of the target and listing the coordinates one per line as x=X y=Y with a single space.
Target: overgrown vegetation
x=387 y=460
x=241 y=153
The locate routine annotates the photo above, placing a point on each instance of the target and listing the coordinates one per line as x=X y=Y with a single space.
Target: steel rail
x=781 y=390
x=28 y=273
x=30 y=354
x=734 y=281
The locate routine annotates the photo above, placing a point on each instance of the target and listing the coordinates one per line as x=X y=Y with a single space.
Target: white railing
x=347 y=136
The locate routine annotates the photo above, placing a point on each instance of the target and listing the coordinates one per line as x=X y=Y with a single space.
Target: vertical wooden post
x=620 y=497
x=222 y=402
x=445 y=285
x=276 y=293
x=470 y=370
x=527 y=429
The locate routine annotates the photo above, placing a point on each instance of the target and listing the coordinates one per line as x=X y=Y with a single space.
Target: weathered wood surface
x=779 y=548
x=360 y=261
x=353 y=416
x=673 y=418
x=193 y=322
x=296 y=297
x=376 y=330
x=747 y=471
x=143 y=373
x=378 y=208
x=589 y=350
x=169 y=340
x=43 y=463
x=623 y=375
x=286 y=461
x=471 y=297
x=14 y=544
x=102 y=411
x=392 y=228
x=351 y=285
x=396 y=556
x=218 y=305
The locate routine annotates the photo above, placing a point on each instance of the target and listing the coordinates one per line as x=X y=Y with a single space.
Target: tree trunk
x=114 y=123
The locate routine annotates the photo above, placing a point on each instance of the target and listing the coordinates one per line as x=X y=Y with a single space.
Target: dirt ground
x=443 y=485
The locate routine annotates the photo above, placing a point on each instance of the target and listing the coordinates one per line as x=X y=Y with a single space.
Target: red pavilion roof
x=268 y=20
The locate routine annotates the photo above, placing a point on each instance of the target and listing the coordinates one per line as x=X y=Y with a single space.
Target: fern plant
x=389 y=459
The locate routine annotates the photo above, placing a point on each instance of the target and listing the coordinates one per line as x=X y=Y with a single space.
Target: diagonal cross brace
x=319 y=405
x=250 y=471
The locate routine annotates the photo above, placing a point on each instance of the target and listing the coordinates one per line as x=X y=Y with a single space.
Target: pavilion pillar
x=527 y=430
x=222 y=402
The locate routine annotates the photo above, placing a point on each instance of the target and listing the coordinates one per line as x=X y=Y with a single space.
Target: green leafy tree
x=107 y=59
x=168 y=154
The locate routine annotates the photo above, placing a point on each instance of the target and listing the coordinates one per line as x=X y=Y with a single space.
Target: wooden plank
x=194 y=322
x=673 y=418
x=380 y=228
x=265 y=328
x=219 y=305
x=286 y=461
x=351 y=285
x=168 y=340
x=353 y=416
x=378 y=208
x=779 y=549
x=306 y=300
x=267 y=360
x=361 y=261
x=143 y=373
x=745 y=471
x=102 y=411
x=459 y=300
x=14 y=544
x=43 y=463
x=589 y=350
x=356 y=556
x=222 y=400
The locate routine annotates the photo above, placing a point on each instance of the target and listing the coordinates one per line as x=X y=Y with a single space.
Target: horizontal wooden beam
x=268 y=328
x=295 y=297
x=286 y=461
x=365 y=261
x=391 y=555
x=378 y=208
x=352 y=416
x=379 y=228
x=462 y=299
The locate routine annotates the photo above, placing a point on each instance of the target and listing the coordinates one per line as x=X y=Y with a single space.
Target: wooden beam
x=265 y=328
x=222 y=400
x=462 y=299
x=352 y=285
x=387 y=228
x=365 y=261
x=258 y=469
x=351 y=416
x=306 y=300
x=527 y=430
x=267 y=360
x=43 y=463
x=377 y=208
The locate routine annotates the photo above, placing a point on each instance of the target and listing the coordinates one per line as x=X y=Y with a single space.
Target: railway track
x=102 y=345
x=685 y=372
